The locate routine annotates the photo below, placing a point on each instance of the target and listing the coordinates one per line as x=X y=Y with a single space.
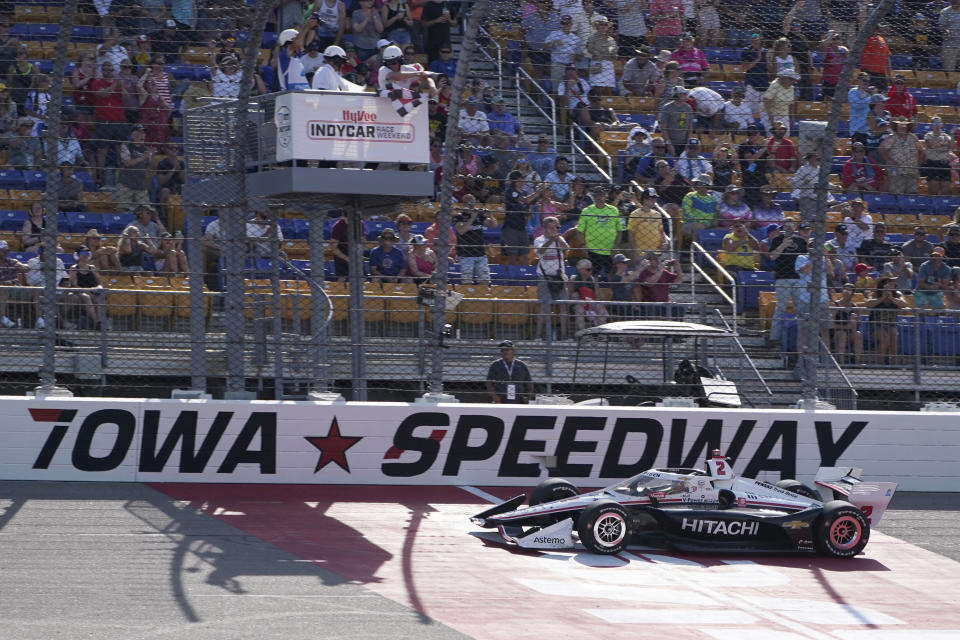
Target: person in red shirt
x=110 y=119
x=875 y=60
x=899 y=101
x=655 y=279
x=781 y=150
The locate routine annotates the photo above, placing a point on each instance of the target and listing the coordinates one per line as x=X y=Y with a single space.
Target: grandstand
x=168 y=63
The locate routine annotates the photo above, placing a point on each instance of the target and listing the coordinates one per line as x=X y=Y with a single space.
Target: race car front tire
x=604 y=527
x=841 y=530
x=552 y=489
x=800 y=489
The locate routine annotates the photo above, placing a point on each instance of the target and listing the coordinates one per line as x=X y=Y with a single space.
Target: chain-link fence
x=591 y=164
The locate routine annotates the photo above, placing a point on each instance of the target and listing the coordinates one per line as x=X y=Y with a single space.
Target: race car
x=695 y=510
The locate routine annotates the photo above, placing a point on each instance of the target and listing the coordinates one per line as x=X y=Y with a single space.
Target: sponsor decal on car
x=720 y=527
x=796 y=524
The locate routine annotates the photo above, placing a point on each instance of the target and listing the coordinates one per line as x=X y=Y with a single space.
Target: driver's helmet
x=333 y=52
x=287 y=36
x=392 y=54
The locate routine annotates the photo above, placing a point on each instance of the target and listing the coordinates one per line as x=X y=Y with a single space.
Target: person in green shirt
x=600 y=225
x=699 y=207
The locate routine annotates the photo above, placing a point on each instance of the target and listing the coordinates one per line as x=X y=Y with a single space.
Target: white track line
x=480 y=493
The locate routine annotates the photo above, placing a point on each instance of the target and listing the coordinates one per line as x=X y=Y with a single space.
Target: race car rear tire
x=552 y=489
x=841 y=530
x=604 y=527
x=800 y=489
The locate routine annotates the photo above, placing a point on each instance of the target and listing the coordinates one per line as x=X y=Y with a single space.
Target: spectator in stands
x=802 y=296
x=421 y=260
x=148 y=227
x=933 y=279
x=169 y=176
x=838 y=270
x=784 y=250
x=225 y=74
x=858 y=98
x=469 y=225
x=20 y=76
x=672 y=187
x=68 y=147
x=311 y=60
x=596 y=118
x=564 y=46
x=771 y=231
x=921 y=36
x=834 y=56
x=622 y=286
x=404 y=236
x=340 y=248
x=665 y=89
x=26 y=150
x=875 y=61
x=109 y=116
x=550 y=249
x=899 y=102
x=859 y=222
x=576 y=90
x=31 y=234
x=917 y=249
x=397 y=24
x=435 y=21
x=700 y=207
x=105 y=258
x=601 y=227
x=508 y=379
x=655 y=278
x=752 y=154
x=781 y=153
x=170 y=257
x=513 y=233
x=732 y=209
x=779 y=104
x=576 y=202
x=739 y=248
x=951 y=248
x=132 y=186
x=584 y=287
x=37 y=102
x=780 y=58
x=756 y=79
x=846 y=326
x=263 y=233
x=840 y=244
x=8 y=44
x=804 y=183
x=11 y=276
x=537 y=27
x=735 y=114
x=560 y=179
x=69 y=190
x=901 y=154
x=35 y=276
x=862 y=278
x=501 y=120
x=692 y=163
x=542 y=158
x=900 y=269
x=766 y=211
x=860 y=174
x=676 y=119
x=366 y=28
x=876 y=250
x=707 y=106
x=645 y=224
x=473 y=122
x=387 y=263
x=602 y=49
x=111 y=50
x=154 y=112
x=937 y=148
x=885 y=302
x=631 y=19
x=8 y=116
x=725 y=170
x=646 y=171
x=668 y=22
x=640 y=75
x=949 y=22
x=693 y=63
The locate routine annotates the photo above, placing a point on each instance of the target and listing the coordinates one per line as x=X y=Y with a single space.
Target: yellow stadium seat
x=121 y=301
x=156 y=307
x=767 y=304
x=812 y=110
x=402 y=309
x=70 y=241
x=933 y=79
x=515 y=305
x=98 y=201
x=643 y=104
x=909 y=74
x=12 y=238
x=832 y=218
x=734 y=72
x=295 y=300
x=900 y=222
x=257 y=299
x=617 y=103
x=296 y=249
x=475 y=312
x=29 y=13
x=374 y=309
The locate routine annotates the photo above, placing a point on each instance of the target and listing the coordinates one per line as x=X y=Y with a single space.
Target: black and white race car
x=695 y=510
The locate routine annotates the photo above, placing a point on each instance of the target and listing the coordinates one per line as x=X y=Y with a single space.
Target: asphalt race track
x=128 y=561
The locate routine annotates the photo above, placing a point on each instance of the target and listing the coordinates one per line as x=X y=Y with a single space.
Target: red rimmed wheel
x=841 y=531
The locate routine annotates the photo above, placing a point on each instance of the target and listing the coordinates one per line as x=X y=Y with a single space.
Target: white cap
x=392 y=53
x=383 y=42
x=333 y=51
x=287 y=36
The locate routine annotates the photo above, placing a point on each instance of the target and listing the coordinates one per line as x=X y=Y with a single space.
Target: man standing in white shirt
x=708 y=107
x=564 y=46
x=737 y=114
x=690 y=164
x=34 y=278
x=327 y=76
x=858 y=221
x=473 y=122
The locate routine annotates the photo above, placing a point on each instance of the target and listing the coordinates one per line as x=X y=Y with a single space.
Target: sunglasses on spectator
x=445 y=51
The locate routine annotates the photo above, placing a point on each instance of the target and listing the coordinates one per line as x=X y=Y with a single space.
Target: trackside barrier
x=456 y=444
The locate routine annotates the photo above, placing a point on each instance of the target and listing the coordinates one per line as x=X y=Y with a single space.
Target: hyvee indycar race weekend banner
x=357 y=443
x=349 y=127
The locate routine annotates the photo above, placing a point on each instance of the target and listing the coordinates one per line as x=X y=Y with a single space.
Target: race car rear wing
x=845 y=483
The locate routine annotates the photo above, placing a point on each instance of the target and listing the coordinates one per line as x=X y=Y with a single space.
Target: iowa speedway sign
x=224 y=441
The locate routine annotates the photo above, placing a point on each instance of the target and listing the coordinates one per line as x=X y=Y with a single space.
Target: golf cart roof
x=657 y=328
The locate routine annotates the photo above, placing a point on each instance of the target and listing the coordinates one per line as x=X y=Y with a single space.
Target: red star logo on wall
x=333 y=447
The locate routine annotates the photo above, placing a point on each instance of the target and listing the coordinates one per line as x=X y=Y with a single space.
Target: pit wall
x=457 y=444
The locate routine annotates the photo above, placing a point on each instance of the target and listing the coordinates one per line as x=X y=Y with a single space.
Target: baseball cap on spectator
x=472 y=100
x=3 y=245
x=602 y=188
x=583 y=263
x=143 y=38
x=136 y=127
x=418 y=239
x=771 y=228
x=566 y=18
x=752 y=128
x=861 y=268
x=802 y=226
x=93 y=233
x=840 y=228
x=680 y=91
x=643 y=50
x=383 y=42
x=703 y=179
x=506 y=344
x=170 y=24
x=387 y=233
x=768 y=190
x=499 y=100
x=599 y=17
x=732 y=188
x=788 y=72
x=693 y=141
x=617 y=259
x=877 y=97
x=919 y=231
x=663 y=56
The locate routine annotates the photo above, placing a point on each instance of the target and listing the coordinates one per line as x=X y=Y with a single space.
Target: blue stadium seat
x=115 y=223
x=81 y=222
x=35 y=180
x=328 y=227
x=710 y=239
x=491 y=236
x=453 y=272
x=907 y=335
x=21 y=31
x=917 y=204
x=67 y=259
x=901 y=61
x=895 y=238
x=935 y=63
x=269 y=40
x=13 y=220
x=83 y=33
x=303 y=265
x=181 y=71
x=498 y=274
x=881 y=202
x=749 y=286
x=201 y=72
x=525 y=275
x=86 y=179
x=22 y=256
x=301 y=229
x=10 y=179
x=926 y=96
x=44 y=66
x=44 y=31
x=947 y=96
x=946 y=205
x=372 y=228
x=942 y=335
x=419 y=227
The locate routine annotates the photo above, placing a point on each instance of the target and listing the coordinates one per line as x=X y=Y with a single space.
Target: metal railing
x=522 y=93
x=575 y=146
x=695 y=249
x=768 y=393
x=842 y=396
x=499 y=58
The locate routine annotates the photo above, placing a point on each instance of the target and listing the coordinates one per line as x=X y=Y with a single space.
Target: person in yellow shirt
x=645 y=226
x=864 y=283
x=739 y=248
